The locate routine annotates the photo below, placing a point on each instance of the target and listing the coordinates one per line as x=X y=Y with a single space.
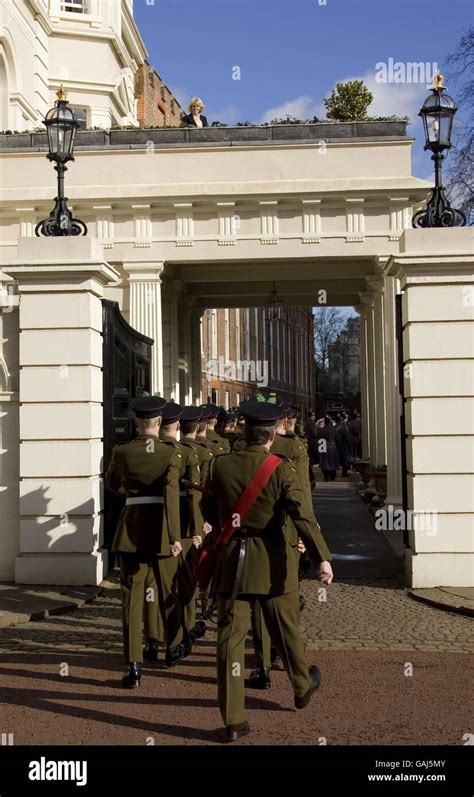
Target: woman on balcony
x=195 y=118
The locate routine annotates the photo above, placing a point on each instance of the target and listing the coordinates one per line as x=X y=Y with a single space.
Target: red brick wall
x=156 y=105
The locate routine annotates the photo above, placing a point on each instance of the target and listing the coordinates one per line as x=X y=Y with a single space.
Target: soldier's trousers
x=260 y=636
x=135 y=578
x=153 y=622
x=281 y=615
x=187 y=592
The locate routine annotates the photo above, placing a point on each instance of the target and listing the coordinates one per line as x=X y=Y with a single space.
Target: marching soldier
x=289 y=448
x=219 y=443
x=146 y=472
x=176 y=417
x=258 y=561
x=206 y=454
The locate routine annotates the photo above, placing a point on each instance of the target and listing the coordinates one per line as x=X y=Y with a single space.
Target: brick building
x=244 y=352
x=156 y=105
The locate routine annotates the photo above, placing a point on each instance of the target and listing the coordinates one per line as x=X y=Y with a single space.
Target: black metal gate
x=126 y=374
x=401 y=385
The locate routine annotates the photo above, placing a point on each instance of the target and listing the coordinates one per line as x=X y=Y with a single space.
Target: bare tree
x=460 y=164
x=329 y=321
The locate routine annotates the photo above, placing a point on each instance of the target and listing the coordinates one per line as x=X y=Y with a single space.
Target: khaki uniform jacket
x=146 y=467
x=189 y=500
x=206 y=454
x=270 y=566
x=220 y=444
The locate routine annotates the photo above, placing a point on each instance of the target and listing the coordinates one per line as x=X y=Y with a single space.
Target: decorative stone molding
x=269 y=222
x=311 y=221
x=143 y=226
x=105 y=225
x=228 y=222
x=27 y=222
x=355 y=221
x=184 y=223
x=400 y=216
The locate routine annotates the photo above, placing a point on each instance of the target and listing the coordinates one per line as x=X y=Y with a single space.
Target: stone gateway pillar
x=436 y=271
x=61 y=282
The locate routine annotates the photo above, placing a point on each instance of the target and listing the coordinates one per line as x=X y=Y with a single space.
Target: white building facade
x=188 y=219
x=92 y=46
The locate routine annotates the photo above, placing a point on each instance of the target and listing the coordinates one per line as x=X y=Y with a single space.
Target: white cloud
x=395 y=99
x=299 y=108
x=390 y=99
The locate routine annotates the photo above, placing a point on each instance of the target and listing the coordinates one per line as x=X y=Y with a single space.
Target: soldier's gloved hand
x=301 y=546
x=325 y=573
x=176 y=548
x=206 y=527
x=197 y=540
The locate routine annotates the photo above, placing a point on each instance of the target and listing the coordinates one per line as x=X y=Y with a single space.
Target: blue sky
x=292 y=52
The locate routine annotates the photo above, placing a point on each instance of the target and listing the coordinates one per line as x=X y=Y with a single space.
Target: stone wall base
x=439 y=569
x=62 y=569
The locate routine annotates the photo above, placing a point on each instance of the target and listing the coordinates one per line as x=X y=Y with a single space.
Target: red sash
x=208 y=559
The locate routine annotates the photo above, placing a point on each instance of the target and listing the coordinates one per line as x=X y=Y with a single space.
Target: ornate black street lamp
x=438 y=113
x=61 y=126
x=274 y=305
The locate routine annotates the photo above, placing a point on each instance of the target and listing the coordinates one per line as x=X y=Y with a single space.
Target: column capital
x=375 y=283
x=144 y=272
x=368 y=299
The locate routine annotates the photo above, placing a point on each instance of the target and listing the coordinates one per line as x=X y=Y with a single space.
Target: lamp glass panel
x=432 y=128
x=446 y=123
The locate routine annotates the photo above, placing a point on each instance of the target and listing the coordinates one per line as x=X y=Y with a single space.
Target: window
x=80 y=115
x=74 y=6
x=214 y=398
x=238 y=399
x=227 y=400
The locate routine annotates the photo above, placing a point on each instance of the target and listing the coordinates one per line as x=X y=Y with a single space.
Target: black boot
x=302 y=602
x=131 y=679
x=151 y=650
x=199 y=629
x=174 y=655
x=260 y=678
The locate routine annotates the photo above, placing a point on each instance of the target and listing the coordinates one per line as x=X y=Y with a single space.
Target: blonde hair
x=196 y=101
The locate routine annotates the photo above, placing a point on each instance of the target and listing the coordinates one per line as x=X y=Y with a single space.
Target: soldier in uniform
x=206 y=454
x=191 y=518
x=146 y=472
x=270 y=568
x=219 y=443
x=287 y=446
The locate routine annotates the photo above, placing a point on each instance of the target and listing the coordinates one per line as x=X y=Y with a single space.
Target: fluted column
x=185 y=332
x=369 y=302
x=196 y=359
x=169 y=306
x=364 y=383
x=146 y=312
x=392 y=395
x=377 y=285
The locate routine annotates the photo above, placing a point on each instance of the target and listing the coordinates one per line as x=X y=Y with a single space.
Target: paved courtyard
x=394 y=671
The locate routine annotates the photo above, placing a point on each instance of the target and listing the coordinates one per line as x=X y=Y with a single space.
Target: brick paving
x=372 y=619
